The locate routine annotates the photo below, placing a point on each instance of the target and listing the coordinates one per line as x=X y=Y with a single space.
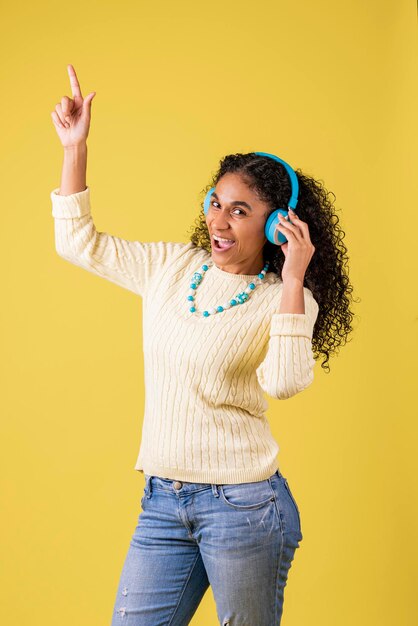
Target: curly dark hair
x=326 y=275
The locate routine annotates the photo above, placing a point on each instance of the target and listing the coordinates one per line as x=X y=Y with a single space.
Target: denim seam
x=276 y=583
x=279 y=564
x=294 y=503
x=184 y=589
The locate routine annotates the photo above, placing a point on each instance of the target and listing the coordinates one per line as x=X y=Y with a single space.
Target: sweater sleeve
x=129 y=264
x=288 y=366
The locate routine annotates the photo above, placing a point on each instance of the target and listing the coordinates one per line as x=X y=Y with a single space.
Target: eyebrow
x=234 y=202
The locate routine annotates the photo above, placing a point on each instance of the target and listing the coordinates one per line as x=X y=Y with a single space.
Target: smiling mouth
x=222 y=245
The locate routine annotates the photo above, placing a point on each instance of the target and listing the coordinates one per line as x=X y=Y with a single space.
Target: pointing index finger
x=75 y=86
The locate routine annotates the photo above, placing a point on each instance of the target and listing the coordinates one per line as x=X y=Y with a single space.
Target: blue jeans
x=238 y=538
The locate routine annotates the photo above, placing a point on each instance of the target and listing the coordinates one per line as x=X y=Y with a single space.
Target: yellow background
x=328 y=87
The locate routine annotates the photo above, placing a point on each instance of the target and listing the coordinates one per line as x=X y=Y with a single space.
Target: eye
x=243 y=212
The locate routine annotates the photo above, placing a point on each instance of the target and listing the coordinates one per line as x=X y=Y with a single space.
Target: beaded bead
x=240 y=298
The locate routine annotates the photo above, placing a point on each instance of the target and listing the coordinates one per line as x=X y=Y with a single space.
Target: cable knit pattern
x=205 y=378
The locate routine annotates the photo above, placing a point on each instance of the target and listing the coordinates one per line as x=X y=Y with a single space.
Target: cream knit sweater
x=205 y=408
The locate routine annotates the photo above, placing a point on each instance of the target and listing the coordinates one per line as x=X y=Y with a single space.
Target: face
x=236 y=213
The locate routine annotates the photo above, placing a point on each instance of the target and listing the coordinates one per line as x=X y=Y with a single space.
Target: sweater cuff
x=73 y=205
x=294 y=324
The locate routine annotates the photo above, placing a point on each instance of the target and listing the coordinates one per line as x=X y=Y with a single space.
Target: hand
x=298 y=249
x=72 y=117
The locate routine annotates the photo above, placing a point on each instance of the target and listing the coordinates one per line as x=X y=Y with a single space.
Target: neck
x=253 y=268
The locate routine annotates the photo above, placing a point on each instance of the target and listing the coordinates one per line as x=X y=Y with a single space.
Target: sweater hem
x=213 y=476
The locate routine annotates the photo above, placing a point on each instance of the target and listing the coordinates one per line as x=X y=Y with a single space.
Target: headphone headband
x=292 y=175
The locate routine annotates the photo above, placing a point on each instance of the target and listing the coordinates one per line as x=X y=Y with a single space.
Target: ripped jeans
x=238 y=538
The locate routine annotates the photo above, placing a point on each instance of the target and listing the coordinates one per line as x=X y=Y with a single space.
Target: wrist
x=76 y=148
x=292 y=282
x=292 y=296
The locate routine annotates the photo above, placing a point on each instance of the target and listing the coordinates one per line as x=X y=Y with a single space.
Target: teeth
x=221 y=239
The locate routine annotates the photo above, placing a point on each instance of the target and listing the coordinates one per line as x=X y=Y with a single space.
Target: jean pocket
x=247 y=495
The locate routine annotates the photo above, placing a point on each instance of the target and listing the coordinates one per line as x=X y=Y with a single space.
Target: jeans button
x=177 y=484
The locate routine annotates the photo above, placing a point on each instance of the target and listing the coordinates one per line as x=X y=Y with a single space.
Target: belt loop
x=215 y=490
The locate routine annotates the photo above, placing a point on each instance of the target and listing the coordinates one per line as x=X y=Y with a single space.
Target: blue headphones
x=272 y=220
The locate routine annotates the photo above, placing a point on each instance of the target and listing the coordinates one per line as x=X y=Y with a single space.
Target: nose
x=220 y=223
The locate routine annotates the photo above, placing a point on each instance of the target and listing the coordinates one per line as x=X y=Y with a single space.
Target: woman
x=223 y=323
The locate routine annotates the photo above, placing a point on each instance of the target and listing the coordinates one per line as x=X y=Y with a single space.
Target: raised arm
x=71 y=118
x=129 y=264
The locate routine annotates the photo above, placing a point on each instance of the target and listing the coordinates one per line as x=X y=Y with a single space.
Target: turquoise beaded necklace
x=240 y=298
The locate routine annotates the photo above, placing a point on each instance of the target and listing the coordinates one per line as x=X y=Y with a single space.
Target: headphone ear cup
x=272 y=223
x=208 y=197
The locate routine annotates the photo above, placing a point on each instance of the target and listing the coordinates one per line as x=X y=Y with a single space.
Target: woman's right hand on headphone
x=72 y=116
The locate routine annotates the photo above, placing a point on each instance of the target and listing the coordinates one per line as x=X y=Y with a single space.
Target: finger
x=61 y=115
x=288 y=227
x=66 y=105
x=75 y=85
x=302 y=225
x=297 y=222
x=56 y=119
x=87 y=102
x=279 y=229
x=289 y=234
x=295 y=218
